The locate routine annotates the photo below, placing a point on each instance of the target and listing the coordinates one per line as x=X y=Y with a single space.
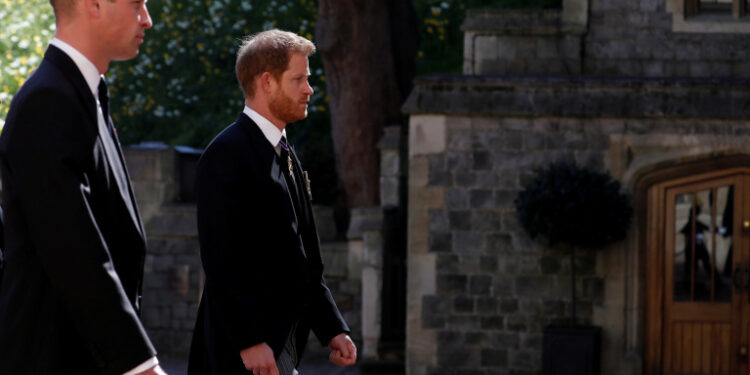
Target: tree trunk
x=368 y=50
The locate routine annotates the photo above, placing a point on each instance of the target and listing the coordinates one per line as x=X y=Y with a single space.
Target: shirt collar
x=85 y=66
x=272 y=133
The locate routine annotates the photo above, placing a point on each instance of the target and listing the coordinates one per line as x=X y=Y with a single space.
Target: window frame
x=686 y=18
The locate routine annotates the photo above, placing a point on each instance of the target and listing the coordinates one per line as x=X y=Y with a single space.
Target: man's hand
x=259 y=359
x=343 y=351
x=156 y=370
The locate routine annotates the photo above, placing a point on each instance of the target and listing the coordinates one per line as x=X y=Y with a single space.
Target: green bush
x=27 y=27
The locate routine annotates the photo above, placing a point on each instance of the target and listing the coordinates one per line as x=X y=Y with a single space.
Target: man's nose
x=146 y=18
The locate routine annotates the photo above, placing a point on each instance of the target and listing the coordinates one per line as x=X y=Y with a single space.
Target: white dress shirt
x=92 y=77
x=272 y=133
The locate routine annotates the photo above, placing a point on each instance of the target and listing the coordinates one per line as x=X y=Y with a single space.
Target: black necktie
x=104 y=102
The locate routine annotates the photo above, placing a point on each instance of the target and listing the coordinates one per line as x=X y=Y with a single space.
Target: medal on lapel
x=291 y=169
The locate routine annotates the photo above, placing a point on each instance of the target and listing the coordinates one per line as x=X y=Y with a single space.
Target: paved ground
x=314 y=366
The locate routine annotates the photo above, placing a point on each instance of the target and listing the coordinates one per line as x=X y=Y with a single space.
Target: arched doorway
x=697 y=240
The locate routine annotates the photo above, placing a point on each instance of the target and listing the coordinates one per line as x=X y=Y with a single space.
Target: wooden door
x=701 y=275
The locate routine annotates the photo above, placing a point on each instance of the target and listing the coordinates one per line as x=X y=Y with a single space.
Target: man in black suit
x=75 y=247
x=260 y=249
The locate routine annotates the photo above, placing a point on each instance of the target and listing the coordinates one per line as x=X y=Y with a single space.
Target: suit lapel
x=267 y=156
x=121 y=169
x=116 y=165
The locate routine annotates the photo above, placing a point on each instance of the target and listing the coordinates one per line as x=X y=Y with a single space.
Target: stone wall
x=637 y=38
x=643 y=38
x=481 y=291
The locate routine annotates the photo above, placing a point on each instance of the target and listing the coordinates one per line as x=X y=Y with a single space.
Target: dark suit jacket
x=262 y=260
x=75 y=246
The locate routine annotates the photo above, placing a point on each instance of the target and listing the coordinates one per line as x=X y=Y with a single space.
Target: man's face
x=290 y=95
x=123 y=27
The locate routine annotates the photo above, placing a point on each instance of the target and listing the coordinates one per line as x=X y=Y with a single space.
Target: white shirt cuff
x=143 y=366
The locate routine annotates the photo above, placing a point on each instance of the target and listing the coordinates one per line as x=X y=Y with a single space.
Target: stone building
x=656 y=92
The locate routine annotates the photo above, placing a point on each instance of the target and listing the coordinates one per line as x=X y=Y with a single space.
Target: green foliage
x=27 y=27
x=182 y=88
x=441 y=38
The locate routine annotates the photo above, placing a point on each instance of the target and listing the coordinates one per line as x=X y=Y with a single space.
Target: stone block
x=491 y=67
x=509 y=306
x=430 y=321
x=438 y=221
x=459 y=160
x=535 y=286
x=463 y=304
x=486 y=48
x=426 y=135
x=447 y=264
x=487 y=179
x=485 y=221
x=390 y=163
x=176 y=220
x=475 y=338
x=453 y=356
x=499 y=243
x=517 y=124
x=482 y=160
x=488 y=264
x=548 y=48
x=531 y=341
x=486 y=305
x=517 y=323
x=463 y=322
x=493 y=322
x=549 y=265
x=505 y=198
x=528 y=359
x=650 y=5
x=502 y=286
x=530 y=307
x=459 y=219
x=480 y=285
x=481 y=199
x=468 y=264
x=456 y=198
x=336 y=258
x=534 y=141
x=150 y=164
x=494 y=358
x=468 y=243
x=437 y=178
x=505 y=340
x=390 y=191
x=506 y=47
x=459 y=140
x=700 y=69
x=325 y=222
x=452 y=284
x=465 y=178
x=441 y=242
x=553 y=308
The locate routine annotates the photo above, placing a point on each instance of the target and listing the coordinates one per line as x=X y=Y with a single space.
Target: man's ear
x=267 y=82
x=92 y=7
